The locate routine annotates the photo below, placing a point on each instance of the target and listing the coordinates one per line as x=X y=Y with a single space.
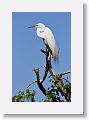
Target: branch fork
x=57 y=78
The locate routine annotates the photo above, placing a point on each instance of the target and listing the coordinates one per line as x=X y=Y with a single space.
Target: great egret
x=46 y=34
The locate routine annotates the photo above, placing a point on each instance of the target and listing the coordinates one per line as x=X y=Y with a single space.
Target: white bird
x=46 y=34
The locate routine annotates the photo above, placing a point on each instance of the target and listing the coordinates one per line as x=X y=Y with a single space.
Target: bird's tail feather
x=55 y=55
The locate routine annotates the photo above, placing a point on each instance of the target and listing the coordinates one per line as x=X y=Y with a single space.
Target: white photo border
x=76 y=104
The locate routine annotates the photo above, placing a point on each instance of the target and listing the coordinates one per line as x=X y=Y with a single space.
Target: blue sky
x=26 y=47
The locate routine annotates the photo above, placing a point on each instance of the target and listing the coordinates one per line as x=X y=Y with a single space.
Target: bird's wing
x=50 y=38
x=51 y=43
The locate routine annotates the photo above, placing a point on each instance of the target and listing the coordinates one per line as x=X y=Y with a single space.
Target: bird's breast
x=40 y=33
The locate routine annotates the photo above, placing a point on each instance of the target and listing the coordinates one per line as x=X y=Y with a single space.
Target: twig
x=63 y=73
x=43 y=51
x=66 y=72
x=31 y=83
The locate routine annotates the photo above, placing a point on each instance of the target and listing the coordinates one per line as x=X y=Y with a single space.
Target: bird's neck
x=41 y=29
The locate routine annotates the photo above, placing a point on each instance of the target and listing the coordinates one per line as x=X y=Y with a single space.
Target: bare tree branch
x=48 y=64
x=63 y=89
x=36 y=70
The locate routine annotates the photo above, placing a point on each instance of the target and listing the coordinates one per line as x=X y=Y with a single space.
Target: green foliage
x=24 y=97
x=53 y=93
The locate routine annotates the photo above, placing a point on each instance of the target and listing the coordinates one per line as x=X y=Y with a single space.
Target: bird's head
x=39 y=25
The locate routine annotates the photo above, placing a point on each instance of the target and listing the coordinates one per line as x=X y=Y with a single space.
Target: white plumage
x=46 y=34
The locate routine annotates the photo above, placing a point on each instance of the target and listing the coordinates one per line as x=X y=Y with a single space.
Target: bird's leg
x=49 y=57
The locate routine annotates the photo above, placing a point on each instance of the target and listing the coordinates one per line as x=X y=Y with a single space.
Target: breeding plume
x=46 y=34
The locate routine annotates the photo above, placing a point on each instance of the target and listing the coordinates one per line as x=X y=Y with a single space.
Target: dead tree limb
x=48 y=64
x=65 y=90
x=36 y=70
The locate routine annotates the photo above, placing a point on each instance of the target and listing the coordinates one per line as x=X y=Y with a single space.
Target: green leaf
x=27 y=91
x=22 y=93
